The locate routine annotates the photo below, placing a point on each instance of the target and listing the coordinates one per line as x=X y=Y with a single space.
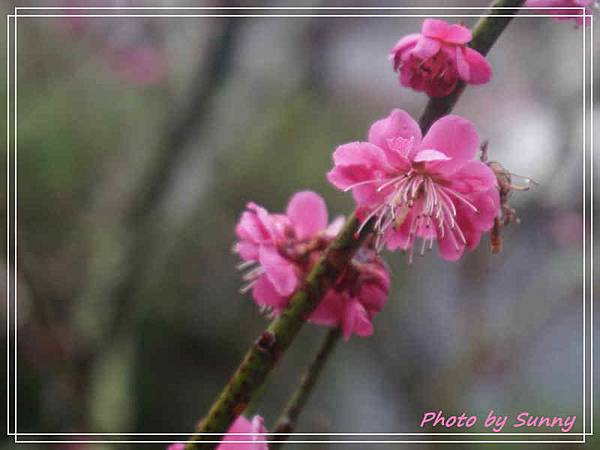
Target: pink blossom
x=281 y=249
x=241 y=425
x=434 y=60
x=359 y=294
x=554 y=8
x=430 y=188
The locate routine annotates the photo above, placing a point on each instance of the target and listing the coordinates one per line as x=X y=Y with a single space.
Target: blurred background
x=142 y=139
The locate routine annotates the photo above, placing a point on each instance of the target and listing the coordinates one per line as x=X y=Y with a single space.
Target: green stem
x=288 y=418
x=270 y=346
x=485 y=32
x=264 y=354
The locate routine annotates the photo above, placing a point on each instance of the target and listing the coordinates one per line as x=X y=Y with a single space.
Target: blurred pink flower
x=434 y=60
x=142 y=65
x=554 y=8
x=281 y=249
x=241 y=425
x=132 y=48
x=431 y=188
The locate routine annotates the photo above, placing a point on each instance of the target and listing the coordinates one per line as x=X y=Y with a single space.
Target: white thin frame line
x=15 y=383
x=308 y=434
x=305 y=442
x=591 y=104
x=341 y=16
x=295 y=8
x=584 y=74
x=8 y=209
x=319 y=16
x=591 y=224
x=584 y=434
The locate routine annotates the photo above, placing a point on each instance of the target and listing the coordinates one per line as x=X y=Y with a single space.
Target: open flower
x=231 y=441
x=556 y=8
x=430 y=188
x=280 y=250
x=359 y=294
x=434 y=60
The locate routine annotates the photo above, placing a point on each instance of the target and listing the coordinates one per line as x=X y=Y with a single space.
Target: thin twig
x=207 y=81
x=288 y=418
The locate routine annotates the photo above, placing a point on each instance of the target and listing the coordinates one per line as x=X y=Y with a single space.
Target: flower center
x=419 y=206
x=438 y=68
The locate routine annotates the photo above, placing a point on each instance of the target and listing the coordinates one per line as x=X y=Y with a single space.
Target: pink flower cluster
x=231 y=441
x=434 y=60
x=556 y=8
x=281 y=249
x=429 y=188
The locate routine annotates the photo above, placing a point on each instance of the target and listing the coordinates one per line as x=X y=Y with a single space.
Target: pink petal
x=177 y=446
x=473 y=176
x=430 y=155
x=480 y=69
x=345 y=177
x=449 y=249
x=368 y=195
x=254 y=224
x=399 y=124
x=265 y=294
x=374 y=293
x=462 y=65
x=360 y=154
x=488 y=207
x=335 y=227
x=243 y=425
x=556 y=5
x=247 y=250
x=359 y=162
x=426 y=47
x=442 y=30
x=474 y=224
x=329 y=310
x=307 y=213
x=454 y=136
x=280 y=271
x=355 y=320
x=404 y=44
x=435 y=28
x=457 y=34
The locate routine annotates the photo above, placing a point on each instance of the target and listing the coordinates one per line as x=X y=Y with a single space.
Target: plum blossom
x=281 y=249
x=556 y=8
x=359 y=294
x=429 y=188
x=434 y=60
x=230 y=441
